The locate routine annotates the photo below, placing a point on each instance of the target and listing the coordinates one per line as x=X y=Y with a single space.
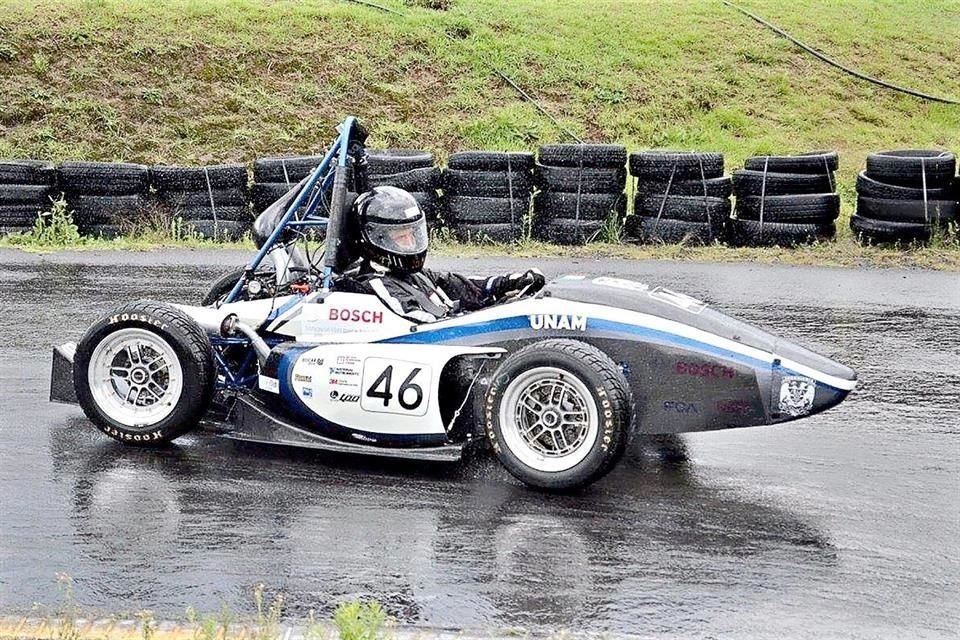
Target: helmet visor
x=408 y=239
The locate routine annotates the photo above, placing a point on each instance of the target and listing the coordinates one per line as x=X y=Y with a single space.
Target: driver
x=392 y=243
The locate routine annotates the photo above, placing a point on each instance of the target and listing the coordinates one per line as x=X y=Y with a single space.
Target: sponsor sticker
x=558 y=321
x=796 y=395
x=734 y=407
x=336 y=396
x=704 y=370
x=302 y=378
x=307 y=392
x=268 y=384
x=312 y=361
x=678 y=406
x=679 y=300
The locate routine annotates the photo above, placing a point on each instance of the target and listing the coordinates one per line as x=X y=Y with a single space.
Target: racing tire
x=751 y=233
x=32 y=172
x=264 y=194
x=681 y=165
x=665 y=231
x=935 y=212
x=389 y=161
x=25 y=194
x=488 y=184
x=721 y=187
x=812 y=162
x=577 y=180
x=867 y=187
x=810 y=208
x=428 y=201
x=103 y=178
x=490 y=161
x=173 y=178
x=756 y=183
x=469 y=210
x=688 y=208
x=597 y=156
x=425 y=179
x=592 y=386
x=123 y=390
x=907 y=168
x=10 y=230
x=568 y=231
x=504 y=232
x=550 y=205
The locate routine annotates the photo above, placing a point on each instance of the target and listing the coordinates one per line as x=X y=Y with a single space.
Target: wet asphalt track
x=846 y=524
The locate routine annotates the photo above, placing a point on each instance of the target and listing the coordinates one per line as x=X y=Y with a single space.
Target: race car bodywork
x=556 y=381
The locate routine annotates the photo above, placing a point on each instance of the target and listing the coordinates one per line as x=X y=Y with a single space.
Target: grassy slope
x=219 y=80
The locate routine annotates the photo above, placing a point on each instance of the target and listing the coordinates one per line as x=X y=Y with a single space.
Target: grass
x=350 y=620
x=201 y=81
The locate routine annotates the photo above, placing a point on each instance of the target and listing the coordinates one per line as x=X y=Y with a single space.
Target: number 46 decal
x=394 y=386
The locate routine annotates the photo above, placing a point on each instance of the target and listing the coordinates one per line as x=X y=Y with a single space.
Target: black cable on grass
x=492 y=67
x=836 y=64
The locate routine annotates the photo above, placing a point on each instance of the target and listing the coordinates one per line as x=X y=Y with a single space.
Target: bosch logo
x=356 y=315
x=704 y=370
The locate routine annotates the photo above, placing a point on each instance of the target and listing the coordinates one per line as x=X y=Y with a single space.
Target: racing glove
x=500 y=286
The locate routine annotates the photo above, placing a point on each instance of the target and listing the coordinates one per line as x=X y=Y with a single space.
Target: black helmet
x=393 y=229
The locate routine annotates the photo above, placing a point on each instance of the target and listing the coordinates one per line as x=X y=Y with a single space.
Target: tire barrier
x=905 y=196
x=581 y=190
x=681 y=198
x=572 y=191
x=26 y=189
x=785 y=201
x=486 y=195
x=210 y=202
x=106 y=199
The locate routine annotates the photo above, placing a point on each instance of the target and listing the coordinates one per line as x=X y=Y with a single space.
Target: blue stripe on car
x=514 y=323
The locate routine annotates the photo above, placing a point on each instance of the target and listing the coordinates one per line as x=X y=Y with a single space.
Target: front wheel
x=558 y=414
x=144 y=374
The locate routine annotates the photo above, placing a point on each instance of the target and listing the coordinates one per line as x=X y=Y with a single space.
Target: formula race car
x=556 y=382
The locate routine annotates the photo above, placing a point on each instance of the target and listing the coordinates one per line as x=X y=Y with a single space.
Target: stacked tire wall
x=486 y=195
x=581 y=188
x=26 y=189
x=785 y=201
x=905 y=196
x=107 y=199
x=211 y=201
x=681 y=197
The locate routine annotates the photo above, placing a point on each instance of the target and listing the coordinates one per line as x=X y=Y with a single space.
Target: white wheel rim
x=549 y=419
x=135 y=377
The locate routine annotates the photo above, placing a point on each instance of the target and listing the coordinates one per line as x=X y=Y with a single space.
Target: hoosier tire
x=558 y=414
x=144 y=374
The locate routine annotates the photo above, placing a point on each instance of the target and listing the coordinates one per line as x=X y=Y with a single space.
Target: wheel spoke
x=563 y=438
x=122 y=372
x=163 y=364
x=556 y=443
x=535 y=425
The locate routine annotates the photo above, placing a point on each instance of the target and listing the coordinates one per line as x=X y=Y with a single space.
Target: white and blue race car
x=556 y=382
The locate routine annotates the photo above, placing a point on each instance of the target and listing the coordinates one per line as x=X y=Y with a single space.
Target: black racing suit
x=428 y=296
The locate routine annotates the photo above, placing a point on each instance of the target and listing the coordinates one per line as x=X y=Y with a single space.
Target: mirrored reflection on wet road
x=843 y=524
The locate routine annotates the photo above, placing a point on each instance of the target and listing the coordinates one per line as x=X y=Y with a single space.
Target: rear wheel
x=558 y=414
x=144 y=374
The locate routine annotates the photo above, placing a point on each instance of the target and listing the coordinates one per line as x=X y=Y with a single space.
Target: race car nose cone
x=808 y=383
